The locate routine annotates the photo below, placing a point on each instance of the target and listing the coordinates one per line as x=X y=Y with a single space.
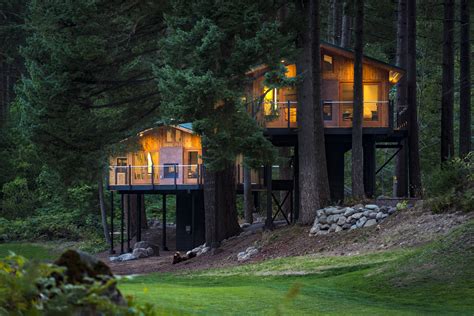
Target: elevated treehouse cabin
x=167 y=159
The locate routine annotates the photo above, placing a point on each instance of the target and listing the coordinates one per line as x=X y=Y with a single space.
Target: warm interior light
x=150 y=163
x=371 y=93
x=291 y=71
x=394 y=77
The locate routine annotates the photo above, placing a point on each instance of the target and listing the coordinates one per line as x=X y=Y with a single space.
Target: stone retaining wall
x=335 y=218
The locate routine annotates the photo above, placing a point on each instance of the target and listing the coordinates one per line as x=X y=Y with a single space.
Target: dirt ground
x=407 y=228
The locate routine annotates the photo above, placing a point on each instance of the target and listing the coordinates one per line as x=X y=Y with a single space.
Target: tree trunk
x=334 y=22
x=220 y=205
x=465 y=82
x=358 y=191
x=309 y=199
x=103 y=211
x=447 y=86
x=401 y=163
x=346 y=32
x=413 y=134
x=320 y=165
x=248 y=197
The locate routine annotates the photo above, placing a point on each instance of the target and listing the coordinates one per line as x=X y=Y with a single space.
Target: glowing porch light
x=150 y=163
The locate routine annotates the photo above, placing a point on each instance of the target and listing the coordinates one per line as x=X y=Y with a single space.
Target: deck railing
x=167 y=174
x=378 y=113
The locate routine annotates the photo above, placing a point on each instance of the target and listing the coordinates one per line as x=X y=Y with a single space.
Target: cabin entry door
x=171 y=165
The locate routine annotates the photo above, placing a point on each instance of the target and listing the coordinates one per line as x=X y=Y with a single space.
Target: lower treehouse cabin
x=167 y=159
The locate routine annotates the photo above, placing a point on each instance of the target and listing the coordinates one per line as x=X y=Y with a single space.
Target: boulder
x=370 y=222
x=381 y=215
x=357 y=215
x=141 y=244
x=123 y=257
x=244 y=225
x=358 y=207
x=314 y=230
x=392 y=210
x=353 y=227
x=342 y=220
x=361 y=222
x=140 y=252
x=372 y=215
x=150 y=252
x=349 y=211
x=333 y=228
x=252 y=250
x=372 y=207
x=323 y=220
x=324 y=227
x=346 y=226
x=320 y=212
x=333 y=218
x=323 y=232
x=338 y=229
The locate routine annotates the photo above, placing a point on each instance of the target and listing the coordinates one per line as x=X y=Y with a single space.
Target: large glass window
x=328 y=64
x=327 y=110
x=371 y=96
x=193 y=164
x=170 y=171
x=347 y=96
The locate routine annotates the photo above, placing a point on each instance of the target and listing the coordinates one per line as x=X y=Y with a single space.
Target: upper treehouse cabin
x=277 y=109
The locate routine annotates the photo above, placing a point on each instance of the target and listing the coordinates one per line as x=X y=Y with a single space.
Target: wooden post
x=268 y=177
x=129 y=224
x=369 y=167
x=193 y=219
x=122 y=222
x=163 y=233
x=139 y=217
x=112 y=251
x=296 y=187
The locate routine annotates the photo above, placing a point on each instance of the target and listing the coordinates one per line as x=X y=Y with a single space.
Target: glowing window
x=371 y=94
x=328 y=64
x=149 y=163
x=270 y=104
x=291 y=71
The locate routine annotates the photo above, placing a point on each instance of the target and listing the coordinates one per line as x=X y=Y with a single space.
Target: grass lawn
x=437 y=279
x=28 y=250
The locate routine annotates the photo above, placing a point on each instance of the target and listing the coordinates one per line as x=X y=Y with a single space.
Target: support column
x=112 y=250
x=139 y=217
x=369 y=167
x=163 y=230
x=296 y=187
x=268 y=177
x=335 y=164
x=193 y=218
x=129 y=224
x=122 y=223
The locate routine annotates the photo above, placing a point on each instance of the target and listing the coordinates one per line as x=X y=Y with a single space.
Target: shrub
x=451 y=186
x=18 y=201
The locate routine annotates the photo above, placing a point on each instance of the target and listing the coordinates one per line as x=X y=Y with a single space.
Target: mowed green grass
x=29 y=251
x=434 y=280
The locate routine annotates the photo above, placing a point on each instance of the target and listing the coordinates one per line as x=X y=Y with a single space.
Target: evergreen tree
x=209 y=48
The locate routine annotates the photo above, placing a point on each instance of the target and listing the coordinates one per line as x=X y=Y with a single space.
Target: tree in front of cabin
x=89 y=81
x=208 y=49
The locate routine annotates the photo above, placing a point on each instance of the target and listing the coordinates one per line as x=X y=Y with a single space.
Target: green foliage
x=18 y=200
x=30 y=288
x=451 y=186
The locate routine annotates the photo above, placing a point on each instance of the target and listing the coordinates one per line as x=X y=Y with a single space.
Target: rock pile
x=141 y=249
x=245 y=255
x=335 y=218
x=199 y=250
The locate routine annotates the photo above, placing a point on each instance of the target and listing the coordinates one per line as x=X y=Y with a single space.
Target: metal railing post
x=130 y=176
x=153 y=176
x=175 y=174
x=289 y=115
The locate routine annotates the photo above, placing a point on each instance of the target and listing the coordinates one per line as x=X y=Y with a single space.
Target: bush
x=30 y=288
x=451 y=186
x=18 y=201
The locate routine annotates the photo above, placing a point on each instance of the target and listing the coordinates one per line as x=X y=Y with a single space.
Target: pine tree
x=465 y=82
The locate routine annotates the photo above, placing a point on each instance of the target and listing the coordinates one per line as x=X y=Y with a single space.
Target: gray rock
x=314 y=230
x=150 y=252
x=333 y=218
x=357 y=215
x=370 y=222
x=243 y=256
x=358 y=207
x=244 y=225
x=323 y=232
x=349 y=211
x=342 y=220
x=338 y=229
x=372 y=207
x=141 y=244
x=323 y=220
x=333 y=228
x=353 y=227
x=346 y=226
x=204 y=250
x=330 y=210
x=361 y=222
x=320 y=212
x=380 y=215
x=324 y=227
x=392 y=210
x=252 y=250
x=372 y=215
x=123 y=257
x=140 y=252
x=366 y=213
